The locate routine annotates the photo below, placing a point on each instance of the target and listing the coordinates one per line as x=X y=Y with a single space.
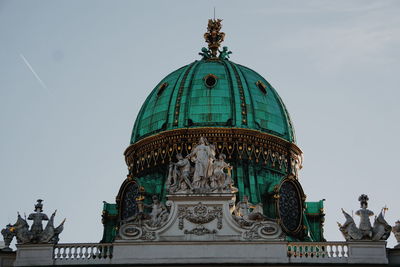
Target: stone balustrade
x=88 y=251
x=318 y=251
x=218 y=252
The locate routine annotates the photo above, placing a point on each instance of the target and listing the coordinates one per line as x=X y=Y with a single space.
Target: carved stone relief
x=200 y=215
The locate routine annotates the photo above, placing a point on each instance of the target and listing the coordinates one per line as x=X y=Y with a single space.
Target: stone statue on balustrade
x=246 y=213
x=36 y=234
x=396 y=232
x=365 y=231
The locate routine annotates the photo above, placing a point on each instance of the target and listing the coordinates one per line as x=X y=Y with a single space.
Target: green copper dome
x=213 y=93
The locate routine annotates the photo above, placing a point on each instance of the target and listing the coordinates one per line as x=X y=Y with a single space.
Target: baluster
x=332 y=251
x=337 y=251
x=83 y=251
x=106 y=251
x=89 y=252
x=66 y=251
x=92 y=253
x=99 y=252
x=340 y=250
x=71 y=252
x=64 y=255
x=75 y=255
x=323 y=251
x=110 y=251
x=96 y=252
x=79 y=255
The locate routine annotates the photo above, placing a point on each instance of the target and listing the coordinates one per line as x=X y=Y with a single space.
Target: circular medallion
x=290 y=206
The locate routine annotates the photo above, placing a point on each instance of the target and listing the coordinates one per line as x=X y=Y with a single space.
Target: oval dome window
x=161 y=88
x=262 y=87
x=210 y=80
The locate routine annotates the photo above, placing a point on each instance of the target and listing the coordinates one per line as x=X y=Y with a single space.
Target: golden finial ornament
x=213 y=36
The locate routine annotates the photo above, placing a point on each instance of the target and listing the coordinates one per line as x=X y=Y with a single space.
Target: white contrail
x=33 y=71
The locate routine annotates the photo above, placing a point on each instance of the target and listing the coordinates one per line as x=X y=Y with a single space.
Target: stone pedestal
x=367 y=252
x=7 y=258
x=200 y=253
x=201 y=217
x=394 y=256
x=201 y=229
x=34 y=255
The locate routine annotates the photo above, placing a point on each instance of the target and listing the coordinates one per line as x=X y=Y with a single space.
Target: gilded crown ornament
x=214 y=37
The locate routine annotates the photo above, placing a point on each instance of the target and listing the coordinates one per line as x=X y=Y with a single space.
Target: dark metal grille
x=289 y=206
x=129 y=204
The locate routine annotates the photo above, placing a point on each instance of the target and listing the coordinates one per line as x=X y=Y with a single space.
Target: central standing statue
x=208 y=175
x=203 y=155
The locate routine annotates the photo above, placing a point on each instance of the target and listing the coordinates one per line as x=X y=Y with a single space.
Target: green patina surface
x=110 y=214
x=186 y=101
x=314 y=214
x=183 y=100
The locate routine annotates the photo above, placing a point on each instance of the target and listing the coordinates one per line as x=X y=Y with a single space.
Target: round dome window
x=210 y=80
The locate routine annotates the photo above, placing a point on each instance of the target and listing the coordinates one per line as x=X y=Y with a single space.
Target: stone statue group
x=36 y=233
x=380 y=230
x=209 y=174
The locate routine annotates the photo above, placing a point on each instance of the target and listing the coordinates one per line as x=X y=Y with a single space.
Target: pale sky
x=74 y=74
